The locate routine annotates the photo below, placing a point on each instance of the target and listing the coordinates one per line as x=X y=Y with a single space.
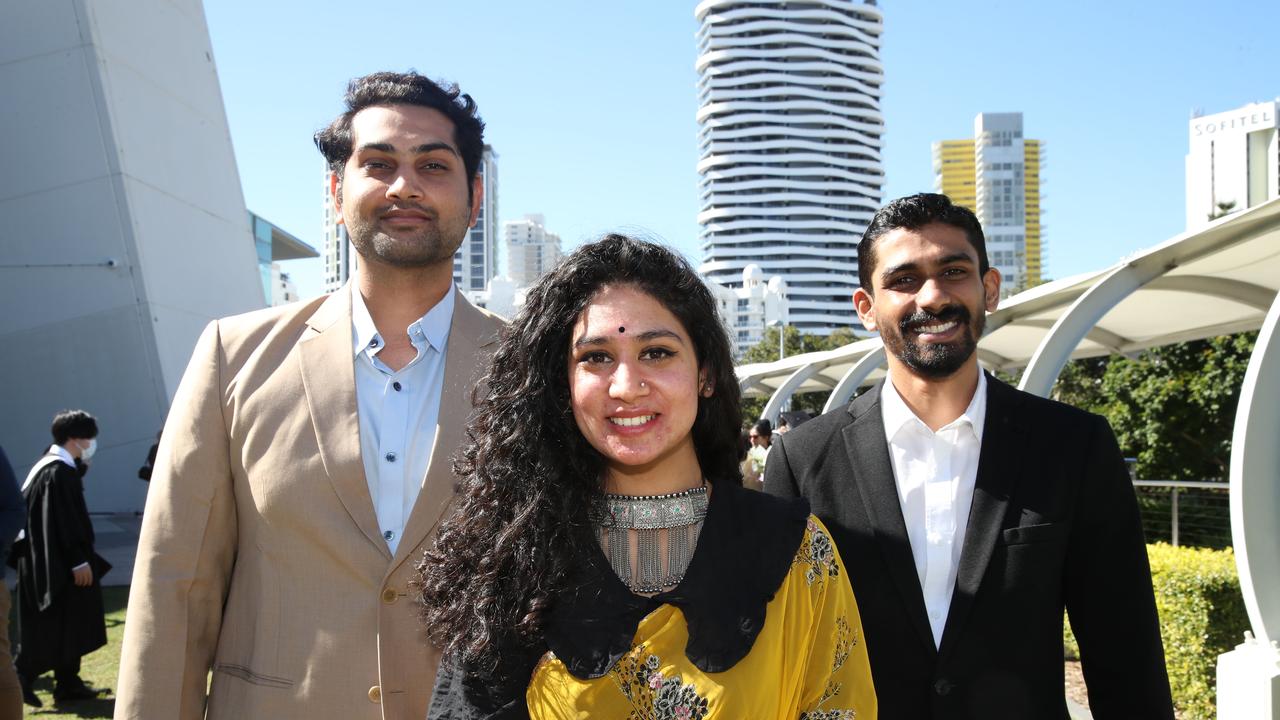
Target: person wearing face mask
x=59 y=599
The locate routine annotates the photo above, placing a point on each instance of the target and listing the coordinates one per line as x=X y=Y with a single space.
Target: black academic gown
x=59 y=622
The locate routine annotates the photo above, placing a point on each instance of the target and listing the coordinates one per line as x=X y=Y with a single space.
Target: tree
x=1223 y=209
x=1026 y=284
x=1172 y=407
x=1080 y=384
x=796 y=343
x=840 y=337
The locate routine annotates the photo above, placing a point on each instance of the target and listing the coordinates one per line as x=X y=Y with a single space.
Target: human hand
x=83 y=576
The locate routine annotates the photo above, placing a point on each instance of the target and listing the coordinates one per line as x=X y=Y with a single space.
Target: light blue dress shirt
x=398 y=410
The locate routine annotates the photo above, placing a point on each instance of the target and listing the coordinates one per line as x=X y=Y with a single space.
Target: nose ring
x=642 y=384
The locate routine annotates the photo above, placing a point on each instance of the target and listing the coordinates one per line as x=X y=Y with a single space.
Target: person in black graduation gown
x=13 y=517
x=60 y=612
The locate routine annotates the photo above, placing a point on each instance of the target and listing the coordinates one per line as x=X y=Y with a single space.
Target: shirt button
x=390 y=457
x=373 y=342
x=375 y=694
x=388 y=534
x=389 y=595
x=396 y=385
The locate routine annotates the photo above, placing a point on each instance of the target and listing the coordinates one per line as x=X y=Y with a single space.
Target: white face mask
x=87 y=453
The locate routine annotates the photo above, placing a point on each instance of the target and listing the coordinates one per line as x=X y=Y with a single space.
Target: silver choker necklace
x=676 y=518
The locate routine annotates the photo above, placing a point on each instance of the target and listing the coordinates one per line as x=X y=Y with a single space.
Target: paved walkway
x=116 y=539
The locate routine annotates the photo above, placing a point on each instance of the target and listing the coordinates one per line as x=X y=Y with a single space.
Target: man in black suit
x=970 y=514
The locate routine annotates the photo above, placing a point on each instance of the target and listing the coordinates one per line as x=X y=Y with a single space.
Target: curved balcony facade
x=790 y=137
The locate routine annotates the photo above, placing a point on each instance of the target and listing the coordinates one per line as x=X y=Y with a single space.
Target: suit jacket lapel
x=328 y=377
x=873 y=476
x=997 y=467
x=469 y=333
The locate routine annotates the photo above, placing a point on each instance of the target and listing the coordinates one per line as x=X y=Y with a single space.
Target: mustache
x=921 y=318
x=401 y=207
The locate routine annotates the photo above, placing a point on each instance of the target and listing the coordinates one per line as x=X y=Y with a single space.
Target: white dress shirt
x=935 y=473
x=398 y=410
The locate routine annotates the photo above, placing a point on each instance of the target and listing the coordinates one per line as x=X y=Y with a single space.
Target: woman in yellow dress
x=602 y=559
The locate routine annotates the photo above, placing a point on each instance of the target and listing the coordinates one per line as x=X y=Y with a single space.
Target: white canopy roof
x=1217 y=280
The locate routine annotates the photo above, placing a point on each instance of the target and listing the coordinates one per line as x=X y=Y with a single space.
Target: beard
x=934 y=360
x=431 y=244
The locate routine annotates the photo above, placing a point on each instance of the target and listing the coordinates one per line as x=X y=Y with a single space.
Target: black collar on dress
x=744 y=552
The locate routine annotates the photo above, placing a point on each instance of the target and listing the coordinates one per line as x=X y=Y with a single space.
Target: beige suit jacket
x=261 y=557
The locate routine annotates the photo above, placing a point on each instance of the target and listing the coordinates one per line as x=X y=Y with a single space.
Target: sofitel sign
x=1246 y=119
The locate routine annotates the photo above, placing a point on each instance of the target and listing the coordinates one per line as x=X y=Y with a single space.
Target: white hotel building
x=532 y=251
x=748 y=309
x=1234 y=158
x=789 y=95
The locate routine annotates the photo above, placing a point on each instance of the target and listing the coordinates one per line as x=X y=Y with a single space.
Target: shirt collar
x=897 y=415
x=62 y=454
x=434 y=325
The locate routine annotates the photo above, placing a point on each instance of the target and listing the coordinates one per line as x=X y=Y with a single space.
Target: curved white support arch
x=1255 y=296
x=852 y=379
x=1255 y=482
x=785 y=391
x=1107 y=339
x=992 y=359
x=1079 y=319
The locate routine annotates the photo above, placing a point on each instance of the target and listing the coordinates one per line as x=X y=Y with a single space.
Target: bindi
x=621 y=329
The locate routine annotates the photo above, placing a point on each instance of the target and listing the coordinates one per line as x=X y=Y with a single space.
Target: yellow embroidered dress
x=763 y=626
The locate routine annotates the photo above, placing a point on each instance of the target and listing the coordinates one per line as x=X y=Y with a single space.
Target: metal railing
x=1185 y=512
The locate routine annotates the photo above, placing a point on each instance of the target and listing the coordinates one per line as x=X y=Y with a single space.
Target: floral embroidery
x=829 y=715
x=818 y=552
x=655 y=696
x=846 y=639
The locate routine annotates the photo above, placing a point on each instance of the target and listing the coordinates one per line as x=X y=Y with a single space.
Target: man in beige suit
x=306 y=461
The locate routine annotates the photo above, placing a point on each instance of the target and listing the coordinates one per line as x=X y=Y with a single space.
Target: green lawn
x=98 y=669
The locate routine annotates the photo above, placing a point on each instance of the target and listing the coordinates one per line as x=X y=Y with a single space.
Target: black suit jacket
x=1054 y=524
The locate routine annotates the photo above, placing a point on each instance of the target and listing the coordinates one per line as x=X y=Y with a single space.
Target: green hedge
x=1202 y=615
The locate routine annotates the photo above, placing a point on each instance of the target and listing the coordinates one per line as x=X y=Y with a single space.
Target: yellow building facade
x=997 y=174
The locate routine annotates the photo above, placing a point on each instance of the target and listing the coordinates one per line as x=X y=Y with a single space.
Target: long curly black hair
x=521 y=523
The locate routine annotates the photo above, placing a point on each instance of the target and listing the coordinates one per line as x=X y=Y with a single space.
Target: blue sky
x=590 y=104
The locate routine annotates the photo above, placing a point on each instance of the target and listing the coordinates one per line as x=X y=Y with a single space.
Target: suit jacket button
x=389 y=595
x=375 y=694
x=942 y=687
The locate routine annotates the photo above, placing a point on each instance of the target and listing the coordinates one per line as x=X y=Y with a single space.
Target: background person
x=603 y=558
x=13 y=518
x=789 y=421
x=761 y=435
x=144 y=472
x=752 y=479
x=60 y=612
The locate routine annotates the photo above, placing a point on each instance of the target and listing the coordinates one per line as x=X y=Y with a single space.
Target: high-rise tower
x=476 y=261
x=339 y=256
x=997 y=175
x=789 y=109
